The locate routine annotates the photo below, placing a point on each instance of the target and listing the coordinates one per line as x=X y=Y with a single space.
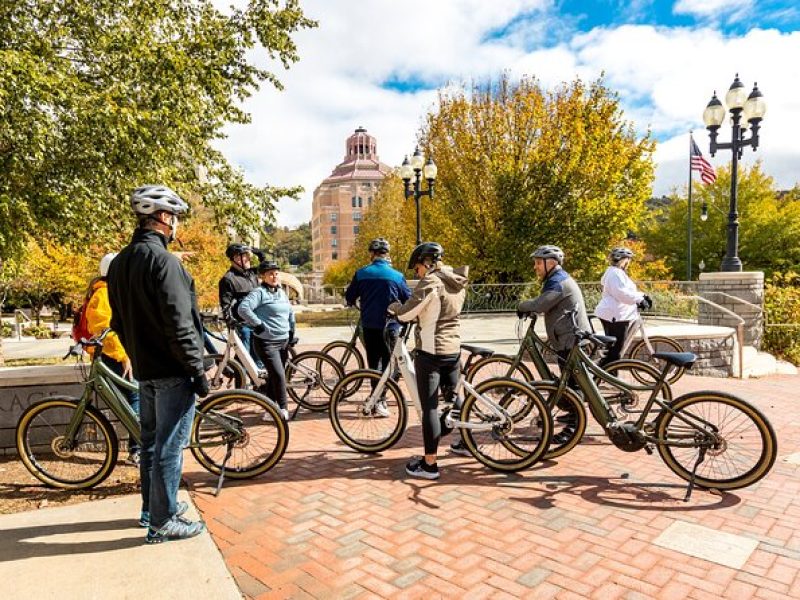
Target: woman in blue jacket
x=267 y=310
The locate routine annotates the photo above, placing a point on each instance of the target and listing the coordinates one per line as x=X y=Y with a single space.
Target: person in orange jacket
x=98 y=318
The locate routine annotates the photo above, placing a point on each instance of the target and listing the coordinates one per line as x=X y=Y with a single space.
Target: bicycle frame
x=401 y=359
x=233 y=343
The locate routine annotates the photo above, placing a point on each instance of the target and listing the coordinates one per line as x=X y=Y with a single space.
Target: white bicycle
x=310 y=376
x=504 y=422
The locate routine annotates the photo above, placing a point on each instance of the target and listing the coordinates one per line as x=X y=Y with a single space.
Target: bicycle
x=646 y=346
x=347 y=354
x=310 y=375
x=686 y=430
x=481 y=413
x=69 y=443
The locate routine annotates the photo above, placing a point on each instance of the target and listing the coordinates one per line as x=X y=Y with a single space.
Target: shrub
x=782 y=315
x=40 y=332
x=7 y=330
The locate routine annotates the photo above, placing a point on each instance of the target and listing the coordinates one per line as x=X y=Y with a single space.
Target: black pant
x=274 y=355
x=434 y=372
x=378 y=352
x=618 y=329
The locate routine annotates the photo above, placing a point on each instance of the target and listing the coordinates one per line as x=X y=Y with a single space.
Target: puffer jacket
x=436 y=306
x=559 y=298
x=98 y=318
x=154 y=309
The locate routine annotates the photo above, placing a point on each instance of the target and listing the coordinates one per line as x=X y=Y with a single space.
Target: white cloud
x=665 y=77
x=711 y=8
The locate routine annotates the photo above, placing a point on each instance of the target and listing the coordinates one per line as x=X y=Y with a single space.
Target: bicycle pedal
x=649 y=449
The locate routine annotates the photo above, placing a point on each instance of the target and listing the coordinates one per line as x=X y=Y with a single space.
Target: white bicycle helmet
x=549 y=251
x=147 y=199
x=105 y=262
x=620 y=253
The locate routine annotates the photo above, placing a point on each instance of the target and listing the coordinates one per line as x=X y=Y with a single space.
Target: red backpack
x=80 y=323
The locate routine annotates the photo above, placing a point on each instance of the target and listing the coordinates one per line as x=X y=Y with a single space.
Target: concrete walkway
x=96 y=550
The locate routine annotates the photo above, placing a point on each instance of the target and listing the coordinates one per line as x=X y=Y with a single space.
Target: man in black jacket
x=154 y=312
x=239 y=280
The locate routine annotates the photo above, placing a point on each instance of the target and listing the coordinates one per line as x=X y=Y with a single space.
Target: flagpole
x=689 y=241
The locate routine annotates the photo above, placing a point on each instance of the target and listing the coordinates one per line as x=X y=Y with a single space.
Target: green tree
x=292 y=246
x=521 y=166
x=769 y=224
x=98 y=96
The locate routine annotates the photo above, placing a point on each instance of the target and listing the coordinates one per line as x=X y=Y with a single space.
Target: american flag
x=699 y=163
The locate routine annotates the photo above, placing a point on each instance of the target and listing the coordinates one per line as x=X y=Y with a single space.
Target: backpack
x=80 y=324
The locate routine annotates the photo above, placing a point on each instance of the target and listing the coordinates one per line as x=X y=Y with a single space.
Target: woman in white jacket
x=620 y=302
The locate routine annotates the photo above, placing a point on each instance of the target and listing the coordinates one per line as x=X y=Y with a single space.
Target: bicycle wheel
x=498 y=366
x=247 y=419
x=310 y=379
x=232 y=377
x=76 y=464
x=507 y=446
x=361 y=430
x=569 y=417
x=741 y=444
x=659 y=344
x=635 y=374
x=347 y=355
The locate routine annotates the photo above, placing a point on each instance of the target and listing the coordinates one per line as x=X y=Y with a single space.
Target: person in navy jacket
x=376 y=286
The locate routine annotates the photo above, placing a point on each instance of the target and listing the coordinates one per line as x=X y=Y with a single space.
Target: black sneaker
x=460 y=448
x=564 y=436
x=417 y=467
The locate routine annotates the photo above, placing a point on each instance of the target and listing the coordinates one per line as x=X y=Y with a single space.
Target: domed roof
x=360 y=160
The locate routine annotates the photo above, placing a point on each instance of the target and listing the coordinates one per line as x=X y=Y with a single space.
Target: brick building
x=341 y=200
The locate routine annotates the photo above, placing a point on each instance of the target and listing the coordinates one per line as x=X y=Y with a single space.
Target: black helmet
x=267 y=265
x=379 y=245
x=236 y=249
x=553 y=252
x=425 y=250
x=617 y=254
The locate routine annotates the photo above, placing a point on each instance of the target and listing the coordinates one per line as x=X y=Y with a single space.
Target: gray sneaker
x=181 y=507
x=460 y=448
x=176 y=528
x=381 y=410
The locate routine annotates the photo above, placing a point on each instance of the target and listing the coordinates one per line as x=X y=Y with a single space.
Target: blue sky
x=378 y=64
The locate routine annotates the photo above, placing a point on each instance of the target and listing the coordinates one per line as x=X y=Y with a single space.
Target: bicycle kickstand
x=294 y=414
x=228 y=453
x=701 y=456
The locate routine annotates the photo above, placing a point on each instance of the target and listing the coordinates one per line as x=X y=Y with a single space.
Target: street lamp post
x=417 y=168
x=745 y=111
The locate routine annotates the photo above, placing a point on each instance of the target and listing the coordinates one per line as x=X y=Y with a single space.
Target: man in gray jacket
x=560 y=299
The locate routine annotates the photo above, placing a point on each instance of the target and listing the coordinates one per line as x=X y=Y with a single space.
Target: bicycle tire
x=733 y=415
x=235 y=380
x=522 y=446
x=488 y=369
x=262 y=442
x=347 y=355
x=565 y=435
x=660 y=344
x=348 y=417
x=310 y=385
x=50 y=416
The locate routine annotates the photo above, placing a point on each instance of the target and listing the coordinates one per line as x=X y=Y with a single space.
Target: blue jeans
x=167 y=410
x=246 y=335
x=132 y=397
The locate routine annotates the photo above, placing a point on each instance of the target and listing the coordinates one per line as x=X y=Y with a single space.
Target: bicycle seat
x=679 y=359
x=484 y=352
x=605 y=340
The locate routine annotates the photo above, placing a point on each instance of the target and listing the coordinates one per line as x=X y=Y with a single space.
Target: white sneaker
x=381 y=410
x=285 y=414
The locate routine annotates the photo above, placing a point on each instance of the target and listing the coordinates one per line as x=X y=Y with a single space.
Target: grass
x=30 y=362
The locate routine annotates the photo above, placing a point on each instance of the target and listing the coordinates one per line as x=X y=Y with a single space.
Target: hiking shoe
x=381 y=410
x=176 y=528
x=180 y=506
x=564 y=436
x=133 y=459
x=460 y=448
x=417 y=467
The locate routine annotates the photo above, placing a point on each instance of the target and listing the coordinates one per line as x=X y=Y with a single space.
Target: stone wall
x=715 y=356
x=747 y=286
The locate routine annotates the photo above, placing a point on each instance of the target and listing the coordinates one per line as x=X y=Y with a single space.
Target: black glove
x=649 y=301
x=259 y=329
x=259 y=254
x=521 y=314
x=200 y=385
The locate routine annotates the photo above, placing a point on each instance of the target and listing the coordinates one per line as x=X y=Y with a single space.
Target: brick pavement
x=330 y=523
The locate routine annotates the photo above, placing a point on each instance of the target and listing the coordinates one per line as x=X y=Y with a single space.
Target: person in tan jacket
x=98 y=318
x=436 y=306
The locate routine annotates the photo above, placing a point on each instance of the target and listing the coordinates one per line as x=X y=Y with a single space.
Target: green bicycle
x=69 y=443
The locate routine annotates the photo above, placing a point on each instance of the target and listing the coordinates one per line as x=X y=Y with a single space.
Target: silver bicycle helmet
x=549 y=251
x=617 y=254
x=147 y=199
x=379 y=245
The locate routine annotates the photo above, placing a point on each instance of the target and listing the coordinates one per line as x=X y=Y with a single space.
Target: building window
x=355 y=228
x=334 y=242
x=334 y=216
x=335 y=256
x=333 y=229
x=356 y=216
x=353 y=201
